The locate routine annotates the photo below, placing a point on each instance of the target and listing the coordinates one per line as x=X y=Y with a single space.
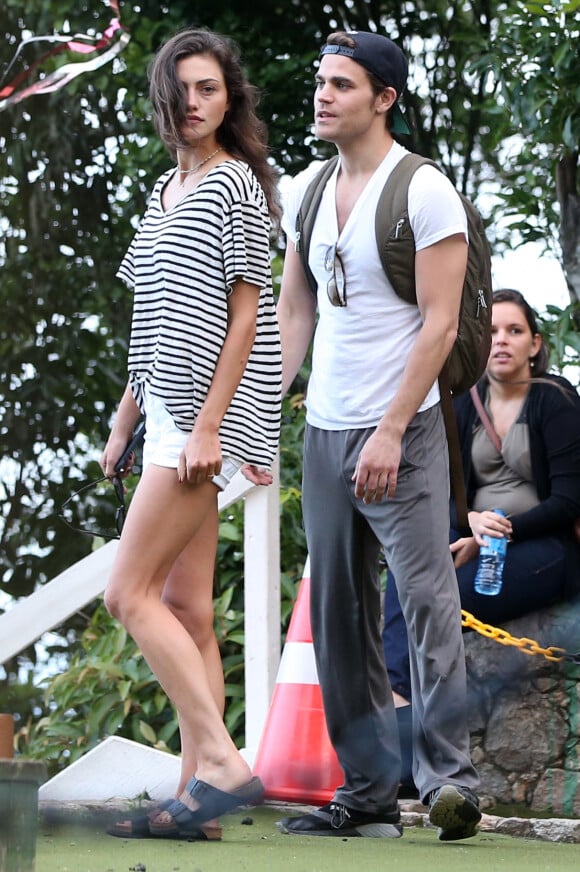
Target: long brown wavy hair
x=241 y=133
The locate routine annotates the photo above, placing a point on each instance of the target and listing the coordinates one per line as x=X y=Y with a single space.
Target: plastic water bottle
x=489 y=575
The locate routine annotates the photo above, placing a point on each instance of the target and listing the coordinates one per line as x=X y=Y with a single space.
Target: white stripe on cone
x=297 y=665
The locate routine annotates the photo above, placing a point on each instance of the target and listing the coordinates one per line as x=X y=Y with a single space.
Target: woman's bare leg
x=163 y=518
x=188 y=592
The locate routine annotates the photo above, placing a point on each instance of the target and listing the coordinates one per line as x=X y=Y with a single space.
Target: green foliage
x=534 y=65
x=108 y=689
x=559 y=327
x=292 y=539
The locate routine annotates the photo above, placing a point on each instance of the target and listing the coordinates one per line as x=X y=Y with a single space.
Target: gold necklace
x=198 y=167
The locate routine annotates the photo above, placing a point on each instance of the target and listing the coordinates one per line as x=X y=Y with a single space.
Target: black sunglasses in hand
x=123 y=464
x=120 y=512
x=125 y=461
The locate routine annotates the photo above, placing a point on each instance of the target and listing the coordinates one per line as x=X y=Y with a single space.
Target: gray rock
x=525 y=713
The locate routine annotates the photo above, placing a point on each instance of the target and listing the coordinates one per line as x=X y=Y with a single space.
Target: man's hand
x=377 y=467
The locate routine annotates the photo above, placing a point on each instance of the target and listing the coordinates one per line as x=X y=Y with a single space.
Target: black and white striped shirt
x=182 y=264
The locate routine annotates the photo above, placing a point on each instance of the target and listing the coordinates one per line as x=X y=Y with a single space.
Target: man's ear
x=386 y=99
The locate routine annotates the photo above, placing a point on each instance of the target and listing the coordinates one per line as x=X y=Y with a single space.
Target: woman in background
x=533 y=475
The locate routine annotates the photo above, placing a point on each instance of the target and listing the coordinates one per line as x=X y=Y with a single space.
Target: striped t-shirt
x=182 y=264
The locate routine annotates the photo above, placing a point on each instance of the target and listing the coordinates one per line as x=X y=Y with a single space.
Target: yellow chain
x=528 y=646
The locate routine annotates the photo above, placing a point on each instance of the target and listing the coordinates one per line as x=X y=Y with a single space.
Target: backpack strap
x=392 y=223
x=395 y=239
x=454 y=450
x=307 y=216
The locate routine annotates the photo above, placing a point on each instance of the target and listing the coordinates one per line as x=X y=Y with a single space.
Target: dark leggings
x=533 y=579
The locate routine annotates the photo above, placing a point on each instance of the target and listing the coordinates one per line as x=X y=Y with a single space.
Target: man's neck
x=357 y=166
x=361 y=157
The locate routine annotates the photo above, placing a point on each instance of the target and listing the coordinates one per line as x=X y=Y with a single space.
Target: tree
x=535 y=62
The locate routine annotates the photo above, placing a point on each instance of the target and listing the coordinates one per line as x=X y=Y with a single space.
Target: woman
x=205 y=369
x=534 y=477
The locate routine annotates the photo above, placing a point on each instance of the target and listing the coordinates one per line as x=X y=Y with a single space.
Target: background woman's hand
x=464 y=550
x=489 y=523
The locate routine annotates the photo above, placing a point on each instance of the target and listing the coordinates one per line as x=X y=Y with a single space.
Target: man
x=375 y=456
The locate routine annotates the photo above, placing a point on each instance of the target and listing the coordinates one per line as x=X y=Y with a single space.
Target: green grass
x=260 y=847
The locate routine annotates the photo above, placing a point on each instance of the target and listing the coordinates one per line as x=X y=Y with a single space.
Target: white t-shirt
x=360 y=350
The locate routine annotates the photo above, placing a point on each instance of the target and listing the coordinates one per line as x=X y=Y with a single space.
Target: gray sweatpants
x=344 y=539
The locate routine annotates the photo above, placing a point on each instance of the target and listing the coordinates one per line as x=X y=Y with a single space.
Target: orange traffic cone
x=295 y=759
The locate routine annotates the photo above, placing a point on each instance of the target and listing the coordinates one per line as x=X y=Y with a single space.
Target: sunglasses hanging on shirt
x=336 y=285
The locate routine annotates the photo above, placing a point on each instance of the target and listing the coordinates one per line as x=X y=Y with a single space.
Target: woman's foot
x=138 y=826
x=199 y=803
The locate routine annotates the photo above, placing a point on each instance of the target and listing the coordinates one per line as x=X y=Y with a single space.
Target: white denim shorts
x=164 y=442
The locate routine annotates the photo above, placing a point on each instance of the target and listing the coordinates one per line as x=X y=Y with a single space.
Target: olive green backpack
x=396 y=246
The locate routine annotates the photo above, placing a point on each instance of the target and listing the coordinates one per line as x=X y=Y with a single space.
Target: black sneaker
x=455 y=810
x=336 y=819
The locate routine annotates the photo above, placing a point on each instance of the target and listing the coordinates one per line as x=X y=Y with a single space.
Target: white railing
x=54 y=602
